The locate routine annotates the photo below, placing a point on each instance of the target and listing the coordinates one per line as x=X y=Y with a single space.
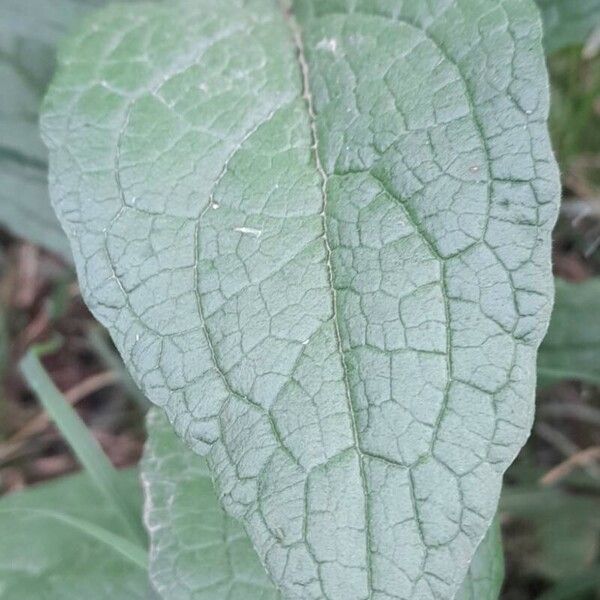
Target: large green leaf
x=56 y=545
x=568 y=22
x=351 y=338
x=571 y=349
x=198 y=552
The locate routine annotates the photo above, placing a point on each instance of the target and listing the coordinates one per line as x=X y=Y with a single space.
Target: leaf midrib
x=308 y=98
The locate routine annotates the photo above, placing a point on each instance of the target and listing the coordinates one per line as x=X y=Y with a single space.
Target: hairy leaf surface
x=43 y=555
x=320 y=240
x=198 y=553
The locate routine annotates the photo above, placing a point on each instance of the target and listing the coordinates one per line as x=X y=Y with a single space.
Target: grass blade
x=85 y=447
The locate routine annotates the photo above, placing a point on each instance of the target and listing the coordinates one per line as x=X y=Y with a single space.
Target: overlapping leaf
x=321 y=243
x=197 y=552
x=486 y=573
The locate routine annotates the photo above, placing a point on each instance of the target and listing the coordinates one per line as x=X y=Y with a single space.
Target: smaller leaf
x=59 y=542
x=197 y=551
x=571 y=350
x=486 y=573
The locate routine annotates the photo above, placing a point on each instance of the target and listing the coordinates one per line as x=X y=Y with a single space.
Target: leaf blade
x=120 y=545
x=250 y=328
x=486 y=573
x=41 y=556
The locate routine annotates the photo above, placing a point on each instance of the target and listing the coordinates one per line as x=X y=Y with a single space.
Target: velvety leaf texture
x=321 y=241
x=198 y=553
x=572 y=346
x=43 y=557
